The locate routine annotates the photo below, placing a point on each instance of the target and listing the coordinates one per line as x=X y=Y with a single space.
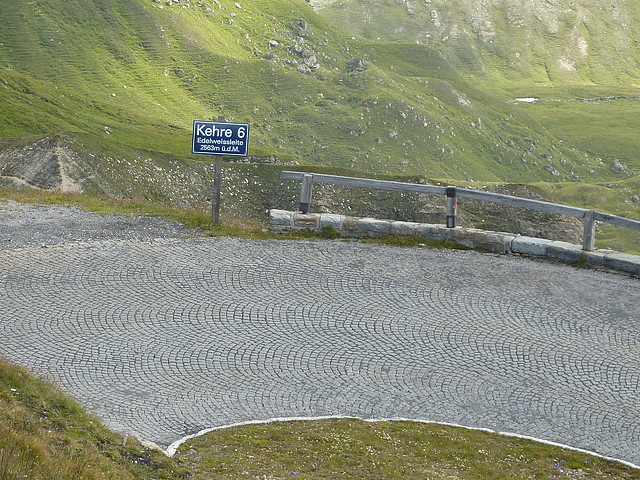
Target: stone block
x=503 y=242
x=303 y=221
x=371 y=227
x=493 y=242
x=565 y=252
x=350 y=227
x=280 y=220
x=331 y=220
x=433 y=233
x=536 y=247
x=403 y=228
x=623 y=262
x=597 y=258
x=463 y=236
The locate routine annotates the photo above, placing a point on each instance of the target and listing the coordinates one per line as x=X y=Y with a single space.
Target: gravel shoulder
x=24 y=225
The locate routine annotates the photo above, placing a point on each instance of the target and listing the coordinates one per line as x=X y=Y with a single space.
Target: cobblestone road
x=167 y=337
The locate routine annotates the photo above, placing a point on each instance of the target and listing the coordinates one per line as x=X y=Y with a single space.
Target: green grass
x=562 y=43
x=413 y=110
x=354 y=449
x=601 y=121
x=520 y=57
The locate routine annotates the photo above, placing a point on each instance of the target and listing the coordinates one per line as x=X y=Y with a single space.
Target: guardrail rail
x=590 y=217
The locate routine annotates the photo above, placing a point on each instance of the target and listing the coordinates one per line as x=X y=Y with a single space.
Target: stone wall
x=282 y=221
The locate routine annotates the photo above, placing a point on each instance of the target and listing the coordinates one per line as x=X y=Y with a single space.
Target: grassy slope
x=92 y=68
x=353 y=449
x=128 y=73
x=563 y=52
x=522 y=42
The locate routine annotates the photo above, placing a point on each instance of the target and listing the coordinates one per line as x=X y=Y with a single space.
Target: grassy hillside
x=100 y=97
x=135 y=74
x=580 y=59
x=522 y=41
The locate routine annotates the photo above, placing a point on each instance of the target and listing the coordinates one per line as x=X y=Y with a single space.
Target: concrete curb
x=282 y=221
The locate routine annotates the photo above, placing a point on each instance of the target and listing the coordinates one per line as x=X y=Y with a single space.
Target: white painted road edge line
x=171 y=449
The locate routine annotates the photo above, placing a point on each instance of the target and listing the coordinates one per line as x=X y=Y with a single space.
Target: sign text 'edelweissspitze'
x=220 y=138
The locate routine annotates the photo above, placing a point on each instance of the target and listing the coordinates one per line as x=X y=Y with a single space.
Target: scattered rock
x=311 y=62
x=552 y=171
x=357 y=65
x=617 y=166
x=435 y=19
x=297 y=50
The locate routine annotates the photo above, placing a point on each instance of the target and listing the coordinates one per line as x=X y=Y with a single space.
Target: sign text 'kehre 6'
x=220 y=138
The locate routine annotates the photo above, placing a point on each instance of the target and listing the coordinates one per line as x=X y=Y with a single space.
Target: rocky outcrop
x=46 y=164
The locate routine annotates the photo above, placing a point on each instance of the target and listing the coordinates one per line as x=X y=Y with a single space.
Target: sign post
x=219 y=139
x=217 y=186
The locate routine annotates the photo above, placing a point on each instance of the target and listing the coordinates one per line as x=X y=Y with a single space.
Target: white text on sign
x=220 y=138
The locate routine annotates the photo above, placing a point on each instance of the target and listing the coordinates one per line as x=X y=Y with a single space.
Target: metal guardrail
x=453 y=193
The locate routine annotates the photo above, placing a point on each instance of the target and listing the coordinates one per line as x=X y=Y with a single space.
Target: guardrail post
x=305 y=193
x=452 y=206
x=589 y=235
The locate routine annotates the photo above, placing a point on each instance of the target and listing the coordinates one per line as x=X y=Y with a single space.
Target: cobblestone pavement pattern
x=166 y=337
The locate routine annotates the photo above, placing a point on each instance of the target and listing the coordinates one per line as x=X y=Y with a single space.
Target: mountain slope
x=577 y=62
x=132 y=76
x=521 y=40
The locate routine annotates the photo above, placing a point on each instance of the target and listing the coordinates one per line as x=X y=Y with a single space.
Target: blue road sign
x=220 y=138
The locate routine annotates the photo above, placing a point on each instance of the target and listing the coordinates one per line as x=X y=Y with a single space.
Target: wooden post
x=589 y=235
x=215 y=197
x=452 y=206
x=305 y=193
x=217 y=184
